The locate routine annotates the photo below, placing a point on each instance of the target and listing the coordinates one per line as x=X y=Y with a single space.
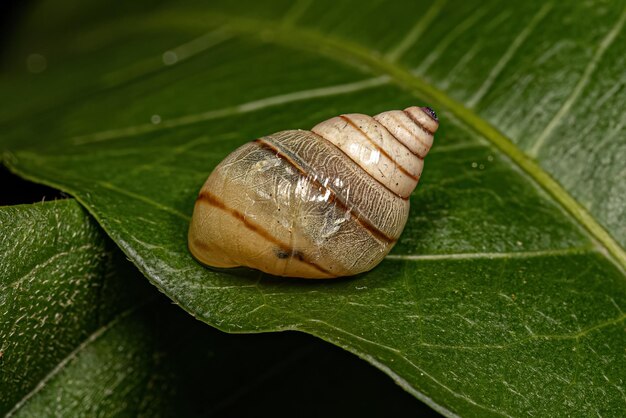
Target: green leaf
x=82 y=335
x=63 y=285
x=506 y=292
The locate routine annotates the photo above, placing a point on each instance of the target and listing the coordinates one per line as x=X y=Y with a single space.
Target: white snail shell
x=324 y=203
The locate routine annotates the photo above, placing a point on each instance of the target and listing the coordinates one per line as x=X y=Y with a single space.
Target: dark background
x=10 y=13
x=13 y=189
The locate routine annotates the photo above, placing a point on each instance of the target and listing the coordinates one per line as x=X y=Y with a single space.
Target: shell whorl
x=390 y=146
x=323 y=203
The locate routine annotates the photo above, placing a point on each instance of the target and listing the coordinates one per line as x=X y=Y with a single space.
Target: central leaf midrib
x=345 y=51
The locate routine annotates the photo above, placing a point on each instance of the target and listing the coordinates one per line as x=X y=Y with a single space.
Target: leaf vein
x=46 y=263
x=531 y=337
x=144 y=199
x=508 y=54
x=73 y=354
x=504 y=255
x=418 y=29
x=604 y=45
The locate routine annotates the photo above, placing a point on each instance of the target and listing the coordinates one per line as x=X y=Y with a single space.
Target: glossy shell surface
x=324 y=203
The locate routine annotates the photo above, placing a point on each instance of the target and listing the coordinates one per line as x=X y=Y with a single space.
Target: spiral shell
x=324 y=203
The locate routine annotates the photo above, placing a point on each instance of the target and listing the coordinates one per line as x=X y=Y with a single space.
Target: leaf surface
x=505 y=294
x=63 y=285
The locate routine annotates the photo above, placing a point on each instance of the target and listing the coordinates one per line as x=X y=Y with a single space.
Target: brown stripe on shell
x=418 y=123
x=333 y=195
x=208 y=198
x=382 y=151
x=401 y=124
x=399 y=142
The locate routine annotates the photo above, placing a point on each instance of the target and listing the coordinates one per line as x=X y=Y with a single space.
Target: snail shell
x=324 y=203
